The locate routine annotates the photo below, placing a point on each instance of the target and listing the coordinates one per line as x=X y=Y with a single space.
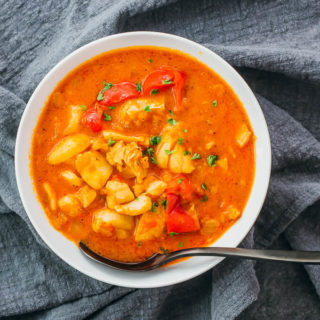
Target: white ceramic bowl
x=64 y=248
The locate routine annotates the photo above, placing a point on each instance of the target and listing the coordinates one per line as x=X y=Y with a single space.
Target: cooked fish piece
x=142 y=140
x=179 y=162
x=86 y=196
x=68 y=147
x=120 y=191
x=93 y=168
x=70 y=205
x=72 y=178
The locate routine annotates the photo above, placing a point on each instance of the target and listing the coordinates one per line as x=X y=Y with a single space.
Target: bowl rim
x=19 y=167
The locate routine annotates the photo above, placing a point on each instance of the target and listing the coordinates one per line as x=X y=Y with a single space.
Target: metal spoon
x=157 y=260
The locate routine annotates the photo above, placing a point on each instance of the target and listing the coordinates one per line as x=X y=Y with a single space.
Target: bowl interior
x=65 y=249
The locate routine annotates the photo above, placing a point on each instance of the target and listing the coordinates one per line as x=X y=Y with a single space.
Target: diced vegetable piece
x=93 y=168
x=111 y=202
x=86 y=195
x=209 y=145
x=150 y=226
x=92 y=119
x=75 y=120
x=209 y=226
x=70 y=205
x=104 y=219
x=243 y=135
x=158 y=80
x=72 y=178
x=137 y=111
x=180 y=185
x=156 y=188
x=68 y=147
x=223 y=163
x=51 y=196
x=138 y=188
x=120 y=191
x=179 y=162
x=119 y=92
x=144 y=141
x=232 y=213
x=138 y=206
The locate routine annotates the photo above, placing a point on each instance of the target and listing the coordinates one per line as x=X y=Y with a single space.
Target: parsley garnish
x=139 y=86
x=150 y=151
x=164 y=250
x=154 y=91
x=214 y=103
x=212 y=159
x=196 y=156
x=169 y=151
x=180 y=245
x=171 y=112
x=180 y=180
x=180 y=141
x=155 y=140
x=164 y=203
x=150 y=60
x=172 y=121
x=184 y=130
x=100 y=96
x=169 y=81
x=186 y=153
x=154 y=205
x=173 y=234
x=204 y=199
x=106 y=117
x=154 y=160
x=111 y=142
x=83 y=107
x=147 y=109
x=204 y=186
x=111 y=107
x=139 y=244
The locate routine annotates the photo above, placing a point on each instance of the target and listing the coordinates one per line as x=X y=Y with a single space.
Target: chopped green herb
x=214 y=103
x=172 y=121
x=196 y=156
x=154 y=160
x=147 y=109
x=169 y=151
x=100 y=96
x=139 y=86
x=172 y=234
x=154 y=91
x=204 y=199
x=169 y=81
x=106 y=117
x=154 y=205
x=137 y=198
x=186 y=152
x=83 y=107
x=150 y=60
x=180 y=245
x=171 y=112
x=111 y=107
x=204 y=186
x=111 y=142
x=212 y=159
x=139 y=244
x=150 y=151
x=155 y=140
x=164 y=250
x=184 y=130
x=180 y=141
x=164 y=203
x=180 y=180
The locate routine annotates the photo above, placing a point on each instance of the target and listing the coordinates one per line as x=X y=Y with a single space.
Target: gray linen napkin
x=276 y=46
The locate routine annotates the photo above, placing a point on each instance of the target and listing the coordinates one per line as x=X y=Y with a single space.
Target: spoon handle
x=305 y=257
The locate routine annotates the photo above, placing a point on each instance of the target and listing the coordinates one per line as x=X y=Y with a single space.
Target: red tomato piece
x=179 y=81
x=92 y=118
x=172 y=201
x=180 y=185
x=158 y=79
x=179 y=221
x=119 y=92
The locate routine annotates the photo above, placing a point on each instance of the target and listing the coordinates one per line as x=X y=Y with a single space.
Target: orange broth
x=206 y=122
